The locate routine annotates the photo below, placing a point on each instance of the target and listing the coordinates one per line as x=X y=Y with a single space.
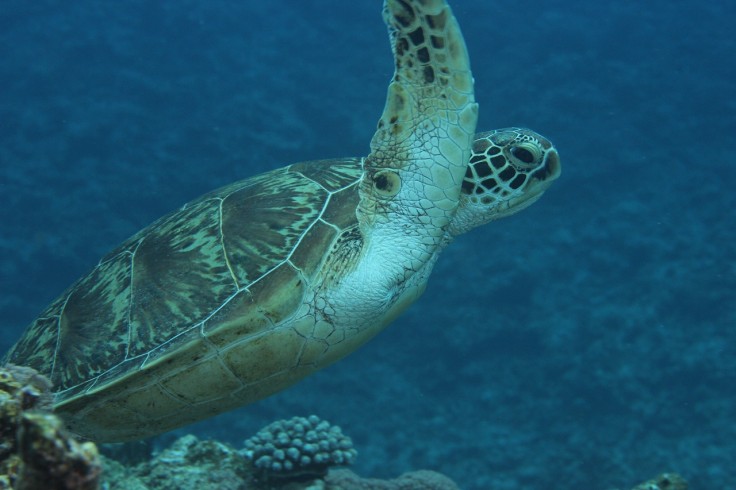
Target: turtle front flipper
x=420 y=150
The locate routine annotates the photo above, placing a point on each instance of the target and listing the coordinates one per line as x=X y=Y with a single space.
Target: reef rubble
x=301 y=453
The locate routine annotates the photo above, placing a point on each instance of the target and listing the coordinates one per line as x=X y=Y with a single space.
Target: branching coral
x=298 y=448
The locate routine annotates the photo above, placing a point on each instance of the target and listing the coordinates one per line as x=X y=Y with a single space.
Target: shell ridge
x=221 y=232
x=129 y=312
x=58 y=336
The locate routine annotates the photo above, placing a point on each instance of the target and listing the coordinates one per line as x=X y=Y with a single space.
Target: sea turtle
x=252 y=287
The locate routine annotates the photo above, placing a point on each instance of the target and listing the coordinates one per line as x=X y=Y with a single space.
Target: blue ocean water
x=588 y=342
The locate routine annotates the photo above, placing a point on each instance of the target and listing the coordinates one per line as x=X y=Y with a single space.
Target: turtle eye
x=526 y=154
x=522 y=154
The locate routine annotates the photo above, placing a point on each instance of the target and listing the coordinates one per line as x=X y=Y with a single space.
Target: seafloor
x=588 y=341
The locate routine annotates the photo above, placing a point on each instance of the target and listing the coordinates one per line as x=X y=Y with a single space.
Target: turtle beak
x=551 y=170
x=543 y=177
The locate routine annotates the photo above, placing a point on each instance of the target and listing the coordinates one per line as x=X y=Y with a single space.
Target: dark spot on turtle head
x=437 y=21
x=428 y=74
x=437 y=42
x=476 y=159
x=507 y=174
x=406 y=15
x=498 y=161
x=489 y=183
x=402 y=45
x=417 y=36
x=481 y=145
x=518 y=181
x=423 y=55
x=468 y=187
x=483 y=169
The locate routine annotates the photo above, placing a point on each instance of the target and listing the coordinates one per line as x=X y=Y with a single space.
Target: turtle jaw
x=551 y=168
x=537 y=183
x=540 y=180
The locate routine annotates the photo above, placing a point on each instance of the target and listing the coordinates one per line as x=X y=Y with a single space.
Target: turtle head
x=509 y=169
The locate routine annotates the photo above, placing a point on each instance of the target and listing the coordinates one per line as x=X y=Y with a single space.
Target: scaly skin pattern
x=411 y=185
x=421 y=147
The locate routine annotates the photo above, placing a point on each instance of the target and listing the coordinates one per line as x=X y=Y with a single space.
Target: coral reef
x=208 y=465
x=35 y=450
x=415 y=480
x=298 y=448
x=665 y=481
x=188 y=463
x=301 y=453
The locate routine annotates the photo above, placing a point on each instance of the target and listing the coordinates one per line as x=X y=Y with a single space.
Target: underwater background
x=588 y=342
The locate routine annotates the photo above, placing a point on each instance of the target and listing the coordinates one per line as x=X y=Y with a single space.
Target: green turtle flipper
x=420 y=150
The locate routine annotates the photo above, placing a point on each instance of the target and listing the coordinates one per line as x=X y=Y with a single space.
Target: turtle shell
x=157 y=320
